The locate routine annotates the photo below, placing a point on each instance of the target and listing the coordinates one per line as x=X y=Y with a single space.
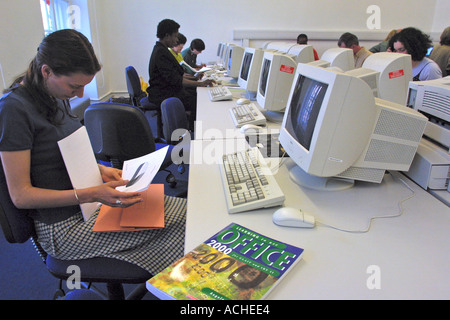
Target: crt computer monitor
x=234 y=60
x=275 y=80
x=250 y=71
x=223 y=53
x=369 y=76
x=280 y=46
x=302 y=53
x=395 y=73
x=219 y=49
x=337 y=132
x=341 y=58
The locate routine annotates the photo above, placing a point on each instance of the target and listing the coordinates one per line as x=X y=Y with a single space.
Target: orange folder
x=148 y=214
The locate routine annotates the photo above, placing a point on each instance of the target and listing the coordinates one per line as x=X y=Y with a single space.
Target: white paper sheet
x=81 y=165
x=141 y=171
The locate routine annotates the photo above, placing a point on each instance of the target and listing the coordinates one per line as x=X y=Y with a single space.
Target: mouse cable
x=280 y=163
x=400 y=210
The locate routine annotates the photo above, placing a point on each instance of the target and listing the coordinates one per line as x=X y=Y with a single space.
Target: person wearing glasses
x=414 y=42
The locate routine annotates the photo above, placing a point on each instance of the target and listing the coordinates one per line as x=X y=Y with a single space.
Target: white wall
x=21 y=31
x=130 y=35
x=124 y=32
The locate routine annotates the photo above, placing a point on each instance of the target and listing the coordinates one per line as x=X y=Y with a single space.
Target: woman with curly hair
x=414 y=42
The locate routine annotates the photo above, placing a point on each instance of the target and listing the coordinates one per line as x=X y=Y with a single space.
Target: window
x=58 y=14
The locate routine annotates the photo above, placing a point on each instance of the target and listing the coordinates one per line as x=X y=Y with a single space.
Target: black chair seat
x=99 y=270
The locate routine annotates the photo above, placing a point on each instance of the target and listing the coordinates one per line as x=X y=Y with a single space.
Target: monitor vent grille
x=390 y=152
x=436 y=101
x=363 y=174
x=399 y=126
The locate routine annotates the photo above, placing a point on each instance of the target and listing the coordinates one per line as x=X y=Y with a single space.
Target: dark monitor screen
x=230 y=54
x=246 y=62
x=264 y=77
x=306 y=102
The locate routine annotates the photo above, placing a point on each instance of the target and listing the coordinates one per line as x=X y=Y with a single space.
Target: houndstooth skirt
x=152 y=250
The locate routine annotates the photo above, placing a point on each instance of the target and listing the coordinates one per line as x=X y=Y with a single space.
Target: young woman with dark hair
x=34 y=116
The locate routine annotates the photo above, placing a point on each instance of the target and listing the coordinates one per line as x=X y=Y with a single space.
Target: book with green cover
x=234 y=264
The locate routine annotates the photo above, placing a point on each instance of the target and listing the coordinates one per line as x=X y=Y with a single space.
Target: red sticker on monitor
x=396 y=74
x=287 y=69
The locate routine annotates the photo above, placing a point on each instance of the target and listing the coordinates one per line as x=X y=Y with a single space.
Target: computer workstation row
x=336 y=135
x=335 y=262
x=273 y=74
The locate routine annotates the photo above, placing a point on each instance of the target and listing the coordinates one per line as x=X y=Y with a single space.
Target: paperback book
x=234 y=264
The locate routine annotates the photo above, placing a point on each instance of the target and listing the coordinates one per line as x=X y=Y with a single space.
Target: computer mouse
x=247 y=127
x=242 y=101
x=292 y=217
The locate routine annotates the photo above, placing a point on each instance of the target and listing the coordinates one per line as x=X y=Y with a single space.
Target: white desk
x=214 y=120
x=412 y=251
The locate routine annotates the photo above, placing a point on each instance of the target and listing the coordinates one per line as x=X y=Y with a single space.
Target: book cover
x=234 y=264
x=148 y=214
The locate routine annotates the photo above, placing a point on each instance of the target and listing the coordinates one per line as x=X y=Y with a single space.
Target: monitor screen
x=230 y=55
x=219 y=48
x=250 y=71
x=264 y=76
x=307 y=98
x=246 y=62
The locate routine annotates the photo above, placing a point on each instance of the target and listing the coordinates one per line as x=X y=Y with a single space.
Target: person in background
x=414 y=42
x=34 y=116
x=190 y=54
x=303 y=39
x=166 y=75
x=441 y=52
x=383 y=46
x=178 y=47
x=350 y=41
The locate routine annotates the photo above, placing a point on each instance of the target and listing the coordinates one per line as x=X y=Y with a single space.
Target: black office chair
x=174 y=120
x=176 y=130
x=139 y=99
x=18 y=228
x=120 y=132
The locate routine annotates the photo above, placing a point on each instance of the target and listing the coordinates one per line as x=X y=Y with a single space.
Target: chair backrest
x=134 y=85
x=118 y=132
x=174 y=117
x=16 y=225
